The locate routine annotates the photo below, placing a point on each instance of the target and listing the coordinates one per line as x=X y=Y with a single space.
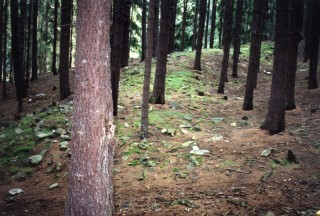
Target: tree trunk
x=237 y=39
x=55 y=35
x=126 y=34
x=156 y=29
x=147 y=73
x=4 y=81
x=227 y=28
x=213 y=22
x=34 y=75
x=207 y=27
x=172 y=25
x=202 y=19
x=295 y=28
x=222 y=3
x=71 y=41
x=275 y=119
x=66 y=6
x=158 y=96
x=314 y=36
x=195 y=26
x=1 y=34
x=22 y=21
x=90 y=187
x=144 y=32
x=307 y=30
x=184 y=20
x=28 y=45
x=254 y=59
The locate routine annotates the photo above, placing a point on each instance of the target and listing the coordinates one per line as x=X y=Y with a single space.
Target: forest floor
x=161 y=176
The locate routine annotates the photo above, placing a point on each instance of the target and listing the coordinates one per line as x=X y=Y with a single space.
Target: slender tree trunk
x=158 y=96
x=4 y=86
x=307 y=30
x=207 y=27
x=195 y=25
x=147 y=73
x=28 y=45
x=156 y=29
x=184 y=20
x=295 y=28
x=45 y=39
x=34 y=75
x=213 y=22
x=1 y=34
x=22 y=21
x=254 y=59
x=314 y=36
x=126 y=34
x=227 y=28
x=90 y=187
x=144 y=31
x=275 y=119
x=222 y=3
x=237 y=39
x=71 y=37
x=11 y=65
x=202 y=19
x=172 y=25
x=55 y=36
x=66 y=6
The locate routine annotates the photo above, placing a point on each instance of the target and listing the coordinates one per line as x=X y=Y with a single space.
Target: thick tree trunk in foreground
x=34 y=75
x=295 y=28
x=275 y=119
x=158 y=95
x=55 y=35
x=314 y=44
x=213 y=22
x=237 y=39
x=90 y=187
x=227 y=28
x=147 y=73
x=66 y=10
x=202 y=19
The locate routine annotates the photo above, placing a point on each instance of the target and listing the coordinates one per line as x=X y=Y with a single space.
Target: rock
x=35 y=159
x=267 y=152
x=217 y=120
x=61 y=131
x=175 y=105
x=64 y=145
x=20 y=176
x=300 y=132
x=65 y=137
x=200 y=152
x=217 y=137
x=233 y=124
x=44 y=134
x=15 y=191
x=53 y=186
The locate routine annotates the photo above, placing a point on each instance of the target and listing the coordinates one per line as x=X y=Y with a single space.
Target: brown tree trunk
x=207 y=27
x=34 y=75
x=314 y=44
x=275 y=119
x=221 y=5
x=158 y=96
x=227 y=28
x=1 y=34
x=66 y=6
x=55 y=35
x=22 y=20
x=202 y=19
x=254 y=59
x=27 y=68
x=71 y=38
x=90 y=187
x=295 y=28
x=307 y=30
x=213 y=23
x=144 y=31
x=172 y=25
x=147 y=73
x=4 y=81
x=126 y=34
x=184 y=20
x=195 y=25
x=156 y=29
x=237 y=39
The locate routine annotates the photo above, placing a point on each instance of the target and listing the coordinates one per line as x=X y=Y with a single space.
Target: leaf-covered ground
x=163 y=176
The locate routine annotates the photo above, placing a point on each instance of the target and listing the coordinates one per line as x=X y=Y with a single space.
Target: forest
x=159 y=107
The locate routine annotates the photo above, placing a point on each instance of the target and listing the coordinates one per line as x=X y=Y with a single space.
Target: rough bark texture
x=195 y=25
x=314 y=44
x=4 y=85
x=34 y=75
x=227 y=28
x=275 y=119
x=207 y=27
x=213 y=23
x=66 y=7
x=254 y=59
x=71 y=38
x=126 y=33
x=116 y=51
x=221 y=5
x=307 y=30
x=158 y=95
x=173 y=16
x=237 y=39
x=22 y=21
x=1 y=34
x=295 y=28
x=90 y=187
x=156 y=29
x=202 y=19
x=144 y=31
x=27 y=68
x=147 y=73
x=184 y=20
x=55 y=35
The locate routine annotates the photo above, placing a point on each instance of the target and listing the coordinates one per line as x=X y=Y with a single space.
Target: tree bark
x=221 y=5
x=314 y=44
x=275 y=119
x=144 y=31
x=66 y=6
x=207 y=27
x=1 y=34
x=126 y=34
x=307 y=30
x=173 y=16
x=237 y=39
x=195 y=25
x=71 y=38
x=27 y=68
x=202 y=19
x=213 y=23
x=156 y=29
x=55 y=35
x=34 y=75
x=295 y=29
x=90 y=187
x=5 y=24
x=147 y=73
x=184 y=20
x=22 y=21
x=227 y=28
x=158 y=96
